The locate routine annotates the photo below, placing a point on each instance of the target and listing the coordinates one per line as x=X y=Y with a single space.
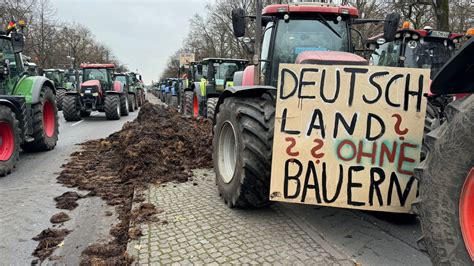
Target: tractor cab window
x=432 y=54
x=122 y=79
x=267 y=38
x=6 y=53
x=301 y=35
x=225 y=72
x=388 y=54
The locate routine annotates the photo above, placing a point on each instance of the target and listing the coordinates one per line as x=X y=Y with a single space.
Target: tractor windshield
x=6 y=53
x=300 y=35
x=122 y=79
x=225 y=72
x=95 y=74
x=425 y=53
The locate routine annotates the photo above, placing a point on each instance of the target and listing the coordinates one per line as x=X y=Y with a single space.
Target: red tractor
x=98 y=92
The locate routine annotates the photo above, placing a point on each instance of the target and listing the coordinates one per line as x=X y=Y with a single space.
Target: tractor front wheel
x=242 y=150
x=132 y=103
x=45 y=123
x=9 y=140
x=188 y=103
x=124 y=107
x=71 y=108
x=112 y=107
x=211 y=107
x=447 y=188
x=60 y=93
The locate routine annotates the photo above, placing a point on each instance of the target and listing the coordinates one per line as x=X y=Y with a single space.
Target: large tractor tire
x=189 y=103
x=60 y=93
x=124 y=107
x=447 y=188
x=242 y=150
x=112 y=107
x=45 y=123
x=174 y=101
x=211 y=107
x=132 y=103
x=71 y=108
x=10 y=140
x=432 y=121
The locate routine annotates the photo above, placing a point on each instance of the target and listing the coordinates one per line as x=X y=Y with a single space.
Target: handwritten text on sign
x=348 y=136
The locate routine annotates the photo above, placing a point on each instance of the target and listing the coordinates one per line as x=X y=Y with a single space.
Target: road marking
x=77 y=123
x=95 y=114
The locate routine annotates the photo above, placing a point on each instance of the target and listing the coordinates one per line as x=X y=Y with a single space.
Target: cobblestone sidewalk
x=201 y=229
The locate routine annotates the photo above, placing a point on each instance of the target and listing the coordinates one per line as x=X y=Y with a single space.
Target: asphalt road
x=26 y=196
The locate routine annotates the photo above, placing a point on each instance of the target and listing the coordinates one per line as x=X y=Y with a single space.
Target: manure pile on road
x=159 y=146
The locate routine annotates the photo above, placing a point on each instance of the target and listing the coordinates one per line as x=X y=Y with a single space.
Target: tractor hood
x=91 y=83
x=330 y=58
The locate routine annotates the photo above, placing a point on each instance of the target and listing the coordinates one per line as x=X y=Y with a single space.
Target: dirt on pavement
x=159 y=146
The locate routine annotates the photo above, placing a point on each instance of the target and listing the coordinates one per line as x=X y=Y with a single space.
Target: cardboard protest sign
x=348 y=136
x=186 y=59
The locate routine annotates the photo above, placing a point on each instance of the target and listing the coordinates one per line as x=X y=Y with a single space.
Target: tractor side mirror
x=17 y=42
x=390 y=26
x=238 y=22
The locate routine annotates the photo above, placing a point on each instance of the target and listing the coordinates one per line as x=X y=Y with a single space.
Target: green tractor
x=137 y=82
x=126 y=79
x=61 y=82
x=28 y=112
x=211 y=77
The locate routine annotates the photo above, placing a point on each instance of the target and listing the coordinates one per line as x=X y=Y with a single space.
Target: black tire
x=124 y=104
x=139 y=100
x=188 y=103
x=442 y=176
x=8 y=116
x=432 y=121
x=60 y=93
x=85 y=113
x=132 y=103
x=174 y=101
x=211 y=107
x=71 y=108
x=112 y=107
x=42 y=140
x=252 y=119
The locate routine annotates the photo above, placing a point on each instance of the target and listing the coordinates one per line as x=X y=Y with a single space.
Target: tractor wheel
x=188 y=103
x=124 y=107
x=71 y=108
x=131 y=103
x=432 y=121
x=45 y=123
x=9 y=140
x=174 y=101
x=447 y=188
x=142 y=97
x=60 y=93
x=211 y=107
x=112 y=107
x=242 y=150
x=138 y=100
x=85 y=113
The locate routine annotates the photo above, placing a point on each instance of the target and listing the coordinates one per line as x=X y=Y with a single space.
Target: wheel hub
x=7 y=141
x=466 y=213
x=227 y=152
x=49 y=122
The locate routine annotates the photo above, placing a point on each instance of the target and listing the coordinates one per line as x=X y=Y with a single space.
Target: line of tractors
x=240 y=97
x=29 y=102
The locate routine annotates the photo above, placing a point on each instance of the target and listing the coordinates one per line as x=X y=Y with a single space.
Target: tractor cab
x=58 y=77
x=97 y=77
x=318 y=33
x=11 y=61
x=218 y=73
x=415 y=48
x=124 y=79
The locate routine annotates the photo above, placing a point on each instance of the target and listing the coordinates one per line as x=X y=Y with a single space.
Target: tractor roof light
x=470 y=32
x=406 y=25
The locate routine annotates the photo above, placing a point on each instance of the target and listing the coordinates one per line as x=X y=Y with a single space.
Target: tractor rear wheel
x=60 y=93
x=242 y=150
x=112 y=107
x=45 y=123
x=131 y=103
x=447 y=188
x=188 y=103
x=9 y=140
x=211 y=107
x=71 y=108
x=124 y=107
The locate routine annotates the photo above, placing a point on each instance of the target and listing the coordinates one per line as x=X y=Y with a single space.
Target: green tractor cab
x=210 y=78
x=132 y=91
x=28 y=112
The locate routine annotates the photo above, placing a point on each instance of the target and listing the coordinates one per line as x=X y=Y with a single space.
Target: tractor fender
x=238 y=91
x=30 y=88
x=14 y=106
x=18 y=105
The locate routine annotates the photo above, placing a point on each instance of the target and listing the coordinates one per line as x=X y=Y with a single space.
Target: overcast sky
x=141 y=33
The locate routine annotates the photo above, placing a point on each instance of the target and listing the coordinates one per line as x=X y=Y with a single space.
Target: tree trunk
x=442 y=15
